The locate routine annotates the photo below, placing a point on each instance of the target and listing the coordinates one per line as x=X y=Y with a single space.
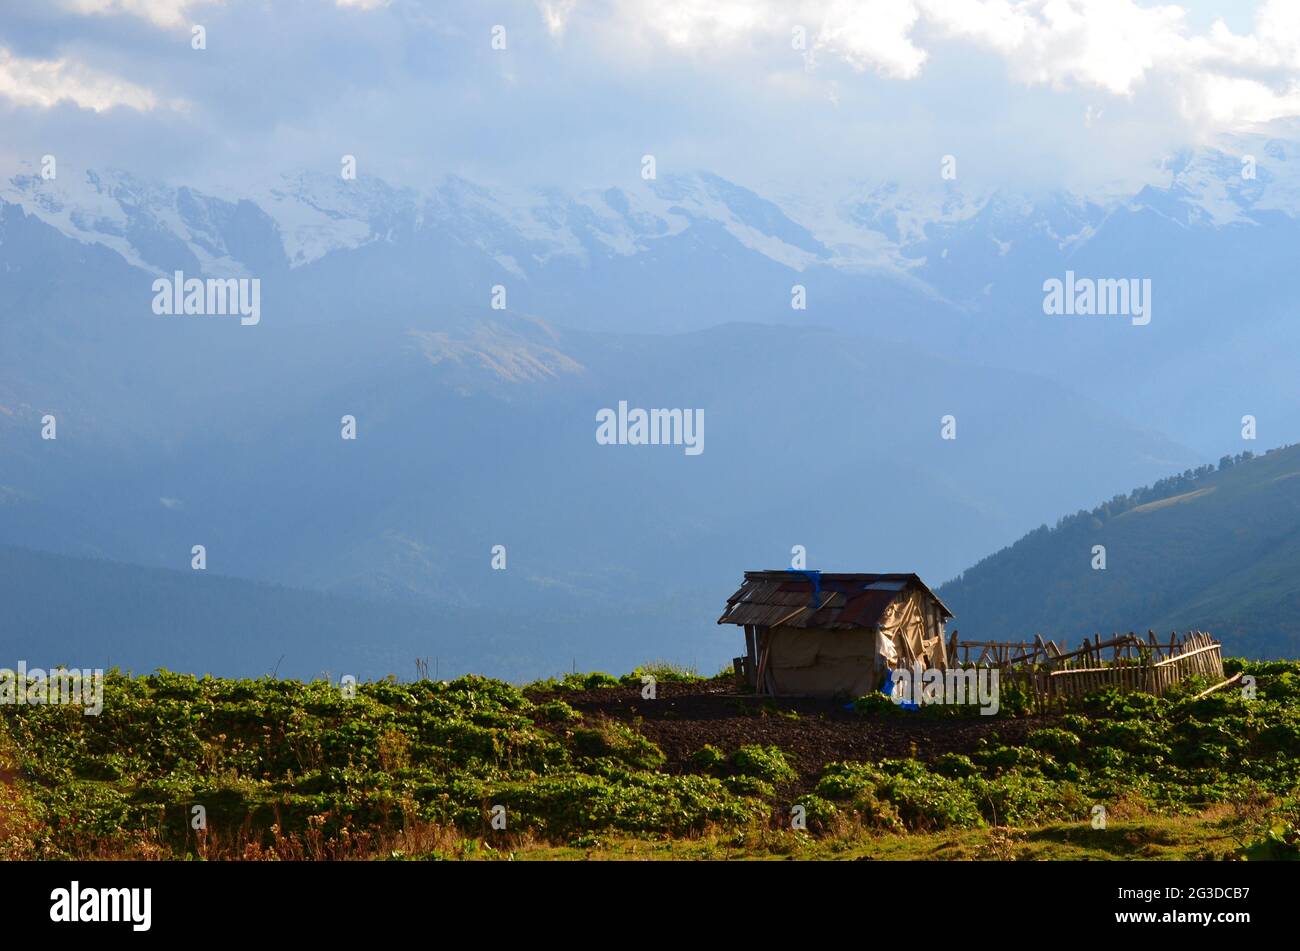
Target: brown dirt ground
x=812 y=733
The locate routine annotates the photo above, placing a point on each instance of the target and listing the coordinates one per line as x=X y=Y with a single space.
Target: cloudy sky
x=1075 y=92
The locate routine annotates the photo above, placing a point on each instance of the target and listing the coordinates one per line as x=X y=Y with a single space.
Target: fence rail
x=1135 y=664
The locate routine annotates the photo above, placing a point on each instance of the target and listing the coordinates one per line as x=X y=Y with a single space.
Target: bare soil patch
x=812 y=733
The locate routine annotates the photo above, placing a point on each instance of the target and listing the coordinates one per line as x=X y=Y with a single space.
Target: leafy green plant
x=763 y=762
x=709 y=759
x=617 y=741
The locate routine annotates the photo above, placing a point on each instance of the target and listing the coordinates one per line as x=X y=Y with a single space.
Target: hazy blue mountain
x=88 y=613
x=476 y=426
x=1216 y=549
x=956 y=269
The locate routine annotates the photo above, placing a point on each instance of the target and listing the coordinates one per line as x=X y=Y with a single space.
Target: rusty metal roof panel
x=824 y=600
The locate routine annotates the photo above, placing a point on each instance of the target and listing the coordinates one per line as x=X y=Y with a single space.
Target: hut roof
x=792 y=598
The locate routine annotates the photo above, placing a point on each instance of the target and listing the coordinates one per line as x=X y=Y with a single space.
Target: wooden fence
x=1050 y=674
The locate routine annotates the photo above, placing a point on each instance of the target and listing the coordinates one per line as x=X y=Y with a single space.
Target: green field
x=286 y=769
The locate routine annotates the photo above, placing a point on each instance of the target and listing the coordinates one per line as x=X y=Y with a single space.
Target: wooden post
x=760 y=672
x=1040 y=646
x=751 y=653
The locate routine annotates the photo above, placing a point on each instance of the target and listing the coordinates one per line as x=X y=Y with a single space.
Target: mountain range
x=475 y=426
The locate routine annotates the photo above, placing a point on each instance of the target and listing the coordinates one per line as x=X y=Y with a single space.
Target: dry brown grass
x=18 y=820
x=416 y=838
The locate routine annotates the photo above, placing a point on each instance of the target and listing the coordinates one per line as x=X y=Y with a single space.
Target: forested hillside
x=1215 y=548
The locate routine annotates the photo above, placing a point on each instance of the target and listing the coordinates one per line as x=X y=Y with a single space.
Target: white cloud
x=700 y=24
x=174 y=13
x=1109 y=44
x=867 y=34
x=1116 y=46
x=45 y=83
x=1226 y=101
x=555 y=14
x=873 y=34
x=164 y=13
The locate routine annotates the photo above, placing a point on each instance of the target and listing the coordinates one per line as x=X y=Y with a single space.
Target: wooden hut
x=809 y=633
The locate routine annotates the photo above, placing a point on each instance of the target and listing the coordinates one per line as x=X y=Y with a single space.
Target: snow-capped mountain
x=316 y=214
x=881 y=228
x=956 y=270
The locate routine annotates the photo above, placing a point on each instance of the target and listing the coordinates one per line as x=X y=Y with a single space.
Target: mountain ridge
x=1213 y=549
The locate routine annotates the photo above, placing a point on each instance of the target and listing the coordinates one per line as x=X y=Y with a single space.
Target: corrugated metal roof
x=833 y=600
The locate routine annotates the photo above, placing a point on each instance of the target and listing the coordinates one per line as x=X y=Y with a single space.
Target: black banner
x=351 y=899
